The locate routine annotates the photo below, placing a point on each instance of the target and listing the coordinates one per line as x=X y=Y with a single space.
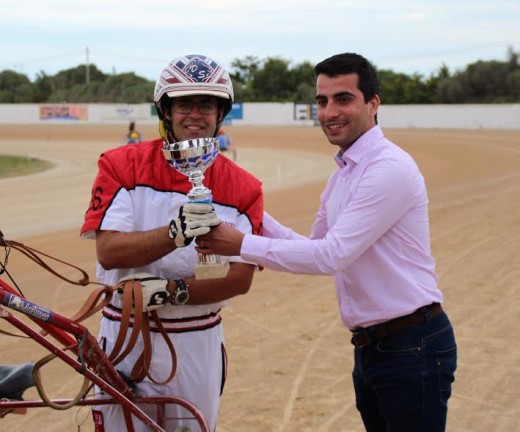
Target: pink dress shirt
x=371 y=233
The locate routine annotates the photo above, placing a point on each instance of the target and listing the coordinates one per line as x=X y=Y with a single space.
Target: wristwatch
x=181 y=293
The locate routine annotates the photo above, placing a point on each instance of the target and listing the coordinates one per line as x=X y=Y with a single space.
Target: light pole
x=87 y=68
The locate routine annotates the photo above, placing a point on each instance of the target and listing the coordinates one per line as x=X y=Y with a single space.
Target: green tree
x=512 y=60
x=273 y=80
x=15 y=87
x=77 y=84
x=305 y=81
x=83 y=93
x=78 y=75
x=399 y=88
x=242 y=73
x=452 y=90
x=43 y=87
x=125 y=88
x=243 y=70
x=436 y=80
x=481 y=82
x=270 y=83
x=513 y=83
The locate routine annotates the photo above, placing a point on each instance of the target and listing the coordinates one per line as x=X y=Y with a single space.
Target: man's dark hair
x=347 y=63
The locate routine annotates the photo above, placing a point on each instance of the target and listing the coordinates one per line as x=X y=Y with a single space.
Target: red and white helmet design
x=193 y=75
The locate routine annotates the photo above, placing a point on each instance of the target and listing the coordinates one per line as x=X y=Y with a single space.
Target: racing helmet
x=188 y=75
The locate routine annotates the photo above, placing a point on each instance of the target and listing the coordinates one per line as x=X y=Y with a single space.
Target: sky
x=142 y=36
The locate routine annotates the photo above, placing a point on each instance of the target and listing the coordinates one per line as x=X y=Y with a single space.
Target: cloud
x=141 y=36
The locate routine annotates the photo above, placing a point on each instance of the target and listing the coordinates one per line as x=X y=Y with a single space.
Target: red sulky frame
x=92 y=363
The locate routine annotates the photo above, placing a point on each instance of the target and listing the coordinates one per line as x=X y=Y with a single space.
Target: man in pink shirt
x=372 y=234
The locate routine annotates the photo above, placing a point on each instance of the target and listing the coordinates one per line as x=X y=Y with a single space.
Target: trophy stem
x=199 y=192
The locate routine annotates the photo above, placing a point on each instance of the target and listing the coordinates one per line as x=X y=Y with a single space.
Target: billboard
x=63 y=112
x=236 y=113
x=305 y=111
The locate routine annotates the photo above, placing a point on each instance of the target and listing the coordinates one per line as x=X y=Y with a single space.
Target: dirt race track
x=290 y=359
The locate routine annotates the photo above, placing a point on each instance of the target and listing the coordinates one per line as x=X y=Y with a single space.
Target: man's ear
x=374 y=105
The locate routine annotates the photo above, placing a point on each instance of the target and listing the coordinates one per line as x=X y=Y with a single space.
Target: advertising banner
x=64 y=112
x=236 y=113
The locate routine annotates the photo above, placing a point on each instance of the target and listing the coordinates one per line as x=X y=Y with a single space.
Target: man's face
x=194 y=117
x=343 y=114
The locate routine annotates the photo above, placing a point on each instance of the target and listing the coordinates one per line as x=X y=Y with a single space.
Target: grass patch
x=12 y=166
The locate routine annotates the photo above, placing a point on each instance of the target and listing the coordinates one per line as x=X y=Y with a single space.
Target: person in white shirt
x=372 y=234
x=141 y=219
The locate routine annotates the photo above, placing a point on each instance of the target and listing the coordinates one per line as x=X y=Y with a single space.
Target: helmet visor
x=192 y=92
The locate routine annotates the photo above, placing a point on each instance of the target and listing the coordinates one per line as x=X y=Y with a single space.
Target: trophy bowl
x=189 y=155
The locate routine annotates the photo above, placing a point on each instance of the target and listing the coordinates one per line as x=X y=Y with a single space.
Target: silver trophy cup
x=191 y=158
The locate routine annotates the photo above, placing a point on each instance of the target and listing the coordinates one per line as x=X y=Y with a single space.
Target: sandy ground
x=290 y=358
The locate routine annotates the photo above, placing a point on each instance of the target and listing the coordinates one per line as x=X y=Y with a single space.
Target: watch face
x=181 y=297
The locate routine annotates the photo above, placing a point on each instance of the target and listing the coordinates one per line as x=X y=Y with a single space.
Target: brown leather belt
x=364 y=337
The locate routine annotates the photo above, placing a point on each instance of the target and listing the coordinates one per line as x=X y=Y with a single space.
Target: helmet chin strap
x=165 y=129
x=165 y=134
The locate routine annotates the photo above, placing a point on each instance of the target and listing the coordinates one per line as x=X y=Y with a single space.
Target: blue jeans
x=403 y=382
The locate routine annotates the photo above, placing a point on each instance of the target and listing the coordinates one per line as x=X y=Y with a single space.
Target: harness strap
x=85 y=387
x=33 y=254
x=171 y=349
x=115 y=355
x=97 y=300
x=132 y=303
x=5 y=332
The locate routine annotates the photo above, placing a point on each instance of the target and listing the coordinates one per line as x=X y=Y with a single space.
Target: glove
x=154 y=289
x=195 y=219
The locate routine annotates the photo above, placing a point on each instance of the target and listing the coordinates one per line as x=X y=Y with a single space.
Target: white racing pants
x=200 y=376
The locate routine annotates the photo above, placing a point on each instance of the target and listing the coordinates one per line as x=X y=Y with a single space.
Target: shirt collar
x=356 y=151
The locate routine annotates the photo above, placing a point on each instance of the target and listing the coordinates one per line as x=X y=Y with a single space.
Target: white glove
x=154 y=289
x=195 y=219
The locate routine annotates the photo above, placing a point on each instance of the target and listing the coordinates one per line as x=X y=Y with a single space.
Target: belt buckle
x=361 y=338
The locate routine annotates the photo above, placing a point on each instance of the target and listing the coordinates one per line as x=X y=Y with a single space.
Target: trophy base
x=211 y=270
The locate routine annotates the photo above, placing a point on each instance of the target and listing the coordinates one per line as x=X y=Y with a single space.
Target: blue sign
x=236 y=113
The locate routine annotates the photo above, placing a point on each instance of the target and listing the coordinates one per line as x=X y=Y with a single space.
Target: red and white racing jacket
x=137 y=190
